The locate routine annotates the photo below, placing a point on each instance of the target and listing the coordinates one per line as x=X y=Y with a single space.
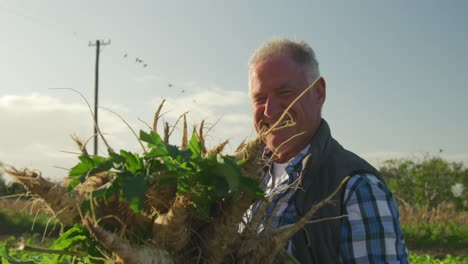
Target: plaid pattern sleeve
x=371 y=233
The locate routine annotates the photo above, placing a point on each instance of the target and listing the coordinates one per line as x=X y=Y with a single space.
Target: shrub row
x=440 y=235
x=419 y=259
x=16 y=223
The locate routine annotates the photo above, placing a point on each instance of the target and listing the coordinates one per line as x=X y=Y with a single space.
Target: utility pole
x=96 y=89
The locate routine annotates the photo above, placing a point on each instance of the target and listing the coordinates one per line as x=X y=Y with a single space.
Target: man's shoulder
x=363 y=178
x=365 y=185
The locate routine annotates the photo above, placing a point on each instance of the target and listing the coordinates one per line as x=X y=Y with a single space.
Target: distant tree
x=2 y=181
x=9 y=189
x=2 y=187
x=427 y=183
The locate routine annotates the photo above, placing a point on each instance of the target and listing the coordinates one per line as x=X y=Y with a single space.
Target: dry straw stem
x=145 y=123
x=283 y=234
x=184 y=143
x=81 y=145
x=92 y=113
x=294 y=185
x=128 y=125
x=46 y=227
x=270 y=160
x=217 y=149
x=212 y=126
x=176 y=122
x=156 y=116
x=259 y=217
x=201 y=136
x=166 y=132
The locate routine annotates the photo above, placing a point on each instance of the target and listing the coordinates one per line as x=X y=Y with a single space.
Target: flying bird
x=144 y=65
x=170 y=85
x=125 y=55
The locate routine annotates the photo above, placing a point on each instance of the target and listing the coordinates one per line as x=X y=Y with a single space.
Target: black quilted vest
x=322 y=171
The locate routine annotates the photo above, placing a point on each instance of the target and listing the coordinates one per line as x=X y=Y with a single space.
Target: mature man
x=312 y=163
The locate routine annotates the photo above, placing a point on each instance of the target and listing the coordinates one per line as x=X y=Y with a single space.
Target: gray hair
x=299 y=51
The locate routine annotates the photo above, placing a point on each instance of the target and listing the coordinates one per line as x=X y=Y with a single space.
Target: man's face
x=274 y=84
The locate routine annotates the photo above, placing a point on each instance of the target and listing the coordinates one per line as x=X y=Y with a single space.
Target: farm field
x=433 y=213
x=443 y=240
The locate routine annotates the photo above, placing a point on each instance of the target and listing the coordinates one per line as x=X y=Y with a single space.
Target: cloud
x=37 y=103
x=36 y=128
x=227 y=110
x=218 y=97
x=47 y=150
x=207 y=103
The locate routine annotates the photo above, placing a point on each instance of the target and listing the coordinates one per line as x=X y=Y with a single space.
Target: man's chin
x=278 y=144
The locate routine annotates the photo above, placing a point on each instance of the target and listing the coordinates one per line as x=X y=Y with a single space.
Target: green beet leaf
x=153 y=139
x=133 y=190
x=61 y=243
x=158 y=148
x=195 y=146
x=83 y=167
x=251 y=187
x=133 y=162
x=230 y=171
x=88 y=163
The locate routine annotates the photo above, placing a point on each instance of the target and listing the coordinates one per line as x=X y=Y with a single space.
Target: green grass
x=73 y=246
x=9 y=254
x=448 y=235
x=37 y=258
x=419 y=259
x=15 y=222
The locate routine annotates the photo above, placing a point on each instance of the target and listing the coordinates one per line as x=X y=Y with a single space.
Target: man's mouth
x=286 y=122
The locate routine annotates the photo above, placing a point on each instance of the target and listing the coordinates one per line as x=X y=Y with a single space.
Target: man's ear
x=320 y=87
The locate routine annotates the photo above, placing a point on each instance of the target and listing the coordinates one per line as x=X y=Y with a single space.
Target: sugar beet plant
x=167 y=205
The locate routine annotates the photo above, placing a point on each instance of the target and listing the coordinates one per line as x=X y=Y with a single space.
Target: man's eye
x=259 y=100
x=286 y=92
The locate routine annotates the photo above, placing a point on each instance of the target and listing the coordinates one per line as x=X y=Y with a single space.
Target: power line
x=96 y=89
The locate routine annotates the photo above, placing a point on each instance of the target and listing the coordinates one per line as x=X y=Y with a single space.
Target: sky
x=396 y=72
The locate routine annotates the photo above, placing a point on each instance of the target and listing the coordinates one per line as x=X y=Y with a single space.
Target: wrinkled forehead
x=274 y=71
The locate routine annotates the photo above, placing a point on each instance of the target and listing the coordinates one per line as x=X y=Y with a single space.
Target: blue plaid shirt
x=286 y=211
x=370 y=234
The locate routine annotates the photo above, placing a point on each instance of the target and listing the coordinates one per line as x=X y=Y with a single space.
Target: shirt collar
x=292 y=163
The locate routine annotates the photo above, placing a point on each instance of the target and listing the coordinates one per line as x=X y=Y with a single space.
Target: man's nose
x=272 y=108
